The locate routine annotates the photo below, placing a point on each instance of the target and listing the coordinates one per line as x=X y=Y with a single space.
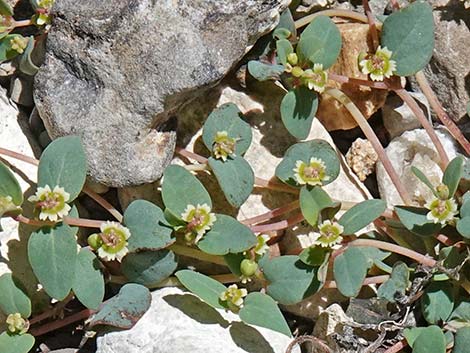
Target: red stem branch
x=397 y=347
x=372 y=27
x=52 y=326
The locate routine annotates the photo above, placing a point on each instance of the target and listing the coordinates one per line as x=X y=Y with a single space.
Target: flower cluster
x=199 y=220
x=441 y=211
x=312 y=173
x=18 y=44
x=315 y=79
x=16 y=324
x=378 y=65
x=233 y=297
x=224 y=145
x=111 y=243
x=329 y=234
x=52 y=204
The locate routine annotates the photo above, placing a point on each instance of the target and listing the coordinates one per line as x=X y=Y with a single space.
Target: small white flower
x=224 y=146
x=378 y=65
x=441 y=211
x=313 y=173
x=16 y=324
x=113 y=241
x=262 y=244
x=316 y=79
x=52 y=204
x=199 y=220
x=329 y=234
x=233 y=296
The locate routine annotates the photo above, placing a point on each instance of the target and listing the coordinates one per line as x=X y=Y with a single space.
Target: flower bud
x=297 y=71
x=95 y=241
x=248 y=267
x=292 y=59
x=442 y=191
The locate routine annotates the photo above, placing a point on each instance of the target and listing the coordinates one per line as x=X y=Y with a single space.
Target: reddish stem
x=367 y=281
x=372 y=27
x=397 y=347
x=80 y=222
x=395 y=5
x=441 y=114
x=52 y=326
x=405 y=96
x=278 y=225
x=272 y=214
x=357 y=81
x=22 y=23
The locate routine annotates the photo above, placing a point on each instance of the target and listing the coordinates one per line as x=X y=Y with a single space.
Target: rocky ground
x=136 y=85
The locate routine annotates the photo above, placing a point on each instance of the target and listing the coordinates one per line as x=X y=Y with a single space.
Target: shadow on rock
x=249 y=339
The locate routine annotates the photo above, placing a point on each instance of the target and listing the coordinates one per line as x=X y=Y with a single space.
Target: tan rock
x=332 y=113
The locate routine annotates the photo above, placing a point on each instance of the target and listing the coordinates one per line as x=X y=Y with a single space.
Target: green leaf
x=26 y=63
x=437 y=302
x=314 y=255
x=227 y=118
x=320 y=42
x=12 y=298
x=462 y=340
x=227 y=235
x=312 y=202
x=235 y=177
x=298 y=108
x=350 y=270
x=286 y=21
x=414 y=219
x=429 y=340
x=452 y=175
x=206 y=288
x=125 y=309
x=6 y=52
x=409 y=34
x=180 y=188
x=261 y=310
x=233 y=262
x=264 y=72
x=149 y=267
x=361 y=215
x=63 y=163
x=465 y=208
x=303 y=151
x=146 y=224
x=88 y=283
x=52 y=253
x=5 y=8
x=283 y=49
x=463 y=227
x=290 y=280
x=16 y=343
x=420 y=175
x=9 y=186
x=396 y=286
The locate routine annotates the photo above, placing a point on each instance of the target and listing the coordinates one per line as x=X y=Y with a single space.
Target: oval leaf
x=283 y=49
x=264 y=72
x=430 y=340
x=312 y=202
x=5 y=8
x=12 y=298
x=227 y=118
x=16 y=343
x=437 y=302
x=235 y=177
x=409 y=34
x=462 y=340
x=146 y=224
x=227 y=235
x=26 y=63
x=350 y=269
x=124 y=309
x=204 y=287
x=298 y=108
x=63 y=163
x=180 y=188
x=320 y=42
x=149 y=267
x=290 y=280
x=9 y=185
x=303 y=151
x=452 y=175
x=261 y=310
x=361 y=215
x=415 y=220
x=88 y=283
x=52 y=253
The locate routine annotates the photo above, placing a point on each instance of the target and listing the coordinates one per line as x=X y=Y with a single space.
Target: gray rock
x=180 y=322
x=413 y=148
x=116 y=71
x=398 y=117
x=449 y=69
x=21 y=90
